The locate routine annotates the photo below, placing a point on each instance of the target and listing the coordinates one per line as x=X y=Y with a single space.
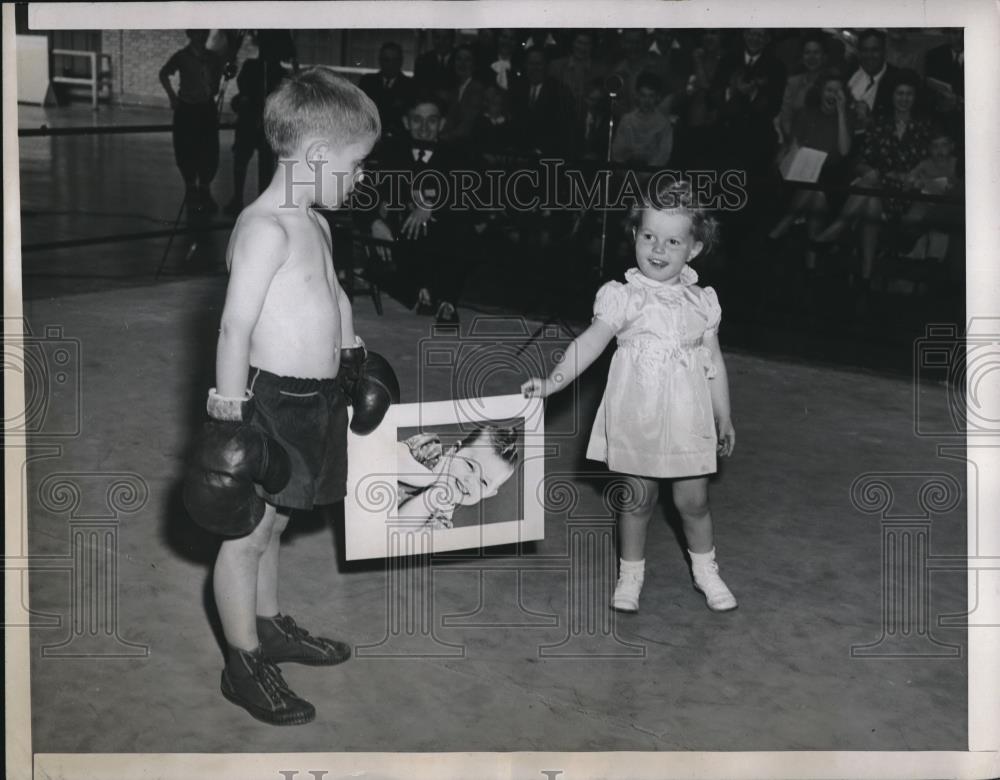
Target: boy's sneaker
x=255 y=684
x=707 y=580
x=281 y=640
x=626 y=596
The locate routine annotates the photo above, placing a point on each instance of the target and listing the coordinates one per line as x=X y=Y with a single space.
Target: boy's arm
x=260 y=248
x=348 y=338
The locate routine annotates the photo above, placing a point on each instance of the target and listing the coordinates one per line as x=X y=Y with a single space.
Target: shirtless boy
x=276 y=438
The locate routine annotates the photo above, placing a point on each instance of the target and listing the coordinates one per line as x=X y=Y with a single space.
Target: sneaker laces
x=268 y=676
x=291 y=628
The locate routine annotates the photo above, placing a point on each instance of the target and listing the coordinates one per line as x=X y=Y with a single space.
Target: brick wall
x=138 y=55
x=136 y=59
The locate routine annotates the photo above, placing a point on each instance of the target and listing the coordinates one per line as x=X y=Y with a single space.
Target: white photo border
x=370 y=505
x=982 y=26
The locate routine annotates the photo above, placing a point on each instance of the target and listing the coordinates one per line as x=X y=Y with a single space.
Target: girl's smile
x=664 y=244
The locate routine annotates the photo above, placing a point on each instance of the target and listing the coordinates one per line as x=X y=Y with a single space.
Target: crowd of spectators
x=884 y=110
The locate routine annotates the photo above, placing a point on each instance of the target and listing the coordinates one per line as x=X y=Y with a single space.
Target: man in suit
x=390 y=89
x=430 y=230
x=434 y=70
x=578 y=70
x=759 y=64
x=944 y=68
x=946 y=63
x=871 y=84
x=505 y=67
x=540 y=108
x=465 y=100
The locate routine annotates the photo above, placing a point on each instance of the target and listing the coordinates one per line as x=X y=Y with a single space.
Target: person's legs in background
x=185 y=152
x=208 y=155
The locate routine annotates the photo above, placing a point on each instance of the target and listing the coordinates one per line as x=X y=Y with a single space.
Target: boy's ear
x=441 y=124
x=406 y=122
x=317 y=152
x=696 y=249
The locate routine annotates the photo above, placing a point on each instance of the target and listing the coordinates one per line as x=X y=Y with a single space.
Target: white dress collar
x=688 y=277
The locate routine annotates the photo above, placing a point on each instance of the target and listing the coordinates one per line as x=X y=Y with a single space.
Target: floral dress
x=883 y=150
x=655 y=419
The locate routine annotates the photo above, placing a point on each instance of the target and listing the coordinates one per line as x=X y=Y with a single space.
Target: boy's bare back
x=282 y=258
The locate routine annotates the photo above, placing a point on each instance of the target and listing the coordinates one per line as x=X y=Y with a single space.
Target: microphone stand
x=613 y=95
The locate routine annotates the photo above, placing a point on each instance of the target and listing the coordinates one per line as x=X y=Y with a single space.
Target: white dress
x=655 y=419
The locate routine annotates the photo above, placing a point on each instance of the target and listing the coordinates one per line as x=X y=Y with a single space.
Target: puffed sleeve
x=712 y=310
x=609 y=305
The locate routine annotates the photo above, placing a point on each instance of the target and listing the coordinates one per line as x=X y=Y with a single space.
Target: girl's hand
x=536 y=388
x=727 y=437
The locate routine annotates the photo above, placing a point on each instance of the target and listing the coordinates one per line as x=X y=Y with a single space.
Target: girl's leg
x=691 y=500
x=633 y=520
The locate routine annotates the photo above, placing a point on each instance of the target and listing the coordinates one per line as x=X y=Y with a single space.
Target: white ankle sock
x=700 y=560
x=637 y=567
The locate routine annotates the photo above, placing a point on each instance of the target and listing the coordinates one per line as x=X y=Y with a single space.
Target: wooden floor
x=810 y=540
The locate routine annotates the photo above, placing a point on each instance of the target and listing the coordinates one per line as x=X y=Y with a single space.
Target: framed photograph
x=447 y=475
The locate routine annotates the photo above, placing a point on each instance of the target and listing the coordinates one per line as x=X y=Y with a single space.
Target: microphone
x=614 y=84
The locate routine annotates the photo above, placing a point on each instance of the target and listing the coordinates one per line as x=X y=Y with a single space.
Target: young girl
x=665 y=412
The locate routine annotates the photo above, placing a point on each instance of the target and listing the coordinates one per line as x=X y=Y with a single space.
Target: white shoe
x=626 y=597
x=707 y=580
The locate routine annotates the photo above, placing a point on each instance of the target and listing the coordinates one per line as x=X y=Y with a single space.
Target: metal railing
x=97 y=74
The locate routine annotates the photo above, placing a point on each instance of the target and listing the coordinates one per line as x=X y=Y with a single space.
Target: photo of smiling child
x=436 y=479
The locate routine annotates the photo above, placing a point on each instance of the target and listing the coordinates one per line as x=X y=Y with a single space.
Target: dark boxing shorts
x=309 y=418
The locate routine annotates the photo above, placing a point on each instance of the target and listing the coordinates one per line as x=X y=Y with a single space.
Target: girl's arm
x=718 y=387
x=583 y=351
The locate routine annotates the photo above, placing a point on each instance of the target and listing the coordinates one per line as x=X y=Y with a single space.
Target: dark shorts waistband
x=290 y=384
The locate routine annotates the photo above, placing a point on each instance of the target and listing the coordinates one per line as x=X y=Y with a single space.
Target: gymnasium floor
x=501 y=664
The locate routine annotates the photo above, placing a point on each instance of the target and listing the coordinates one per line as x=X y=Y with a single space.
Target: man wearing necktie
x=434 y=70
x=760 y=65
x=417 y=210
x=504 y=69
x=867 y=82
x=390 y=89
x=541 y=108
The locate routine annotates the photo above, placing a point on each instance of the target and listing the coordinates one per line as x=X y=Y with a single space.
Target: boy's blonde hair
x=317 y=102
